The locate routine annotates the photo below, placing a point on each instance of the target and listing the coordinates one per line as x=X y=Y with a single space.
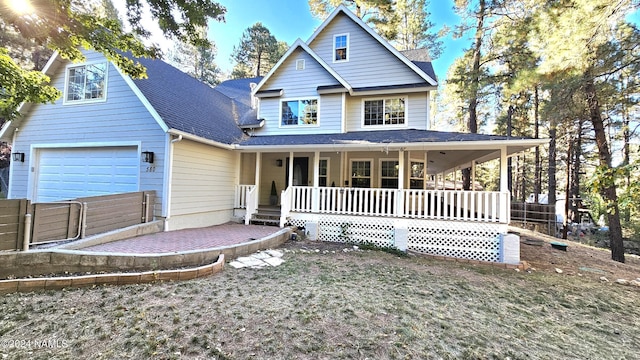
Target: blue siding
x=122 y=118
x=369 y=63
x=299 y=84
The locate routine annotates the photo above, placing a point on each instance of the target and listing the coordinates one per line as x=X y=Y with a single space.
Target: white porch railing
x=478 y=206
x=251 y=204
x=241 y=195
x=484 y=206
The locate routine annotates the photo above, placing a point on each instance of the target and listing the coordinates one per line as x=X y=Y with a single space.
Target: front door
x=300 y=172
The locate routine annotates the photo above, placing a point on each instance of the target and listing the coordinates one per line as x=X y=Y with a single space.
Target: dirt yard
x=329 y=301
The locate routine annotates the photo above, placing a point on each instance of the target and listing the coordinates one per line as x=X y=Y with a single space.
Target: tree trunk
x=537 y=182
x=475 y=85
x=608 y=190
x=551 y=174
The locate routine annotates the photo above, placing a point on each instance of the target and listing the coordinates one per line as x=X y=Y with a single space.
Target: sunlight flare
x=21 y=7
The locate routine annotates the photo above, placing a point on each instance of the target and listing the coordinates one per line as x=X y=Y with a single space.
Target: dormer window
x=86 y=83
x=341 y=48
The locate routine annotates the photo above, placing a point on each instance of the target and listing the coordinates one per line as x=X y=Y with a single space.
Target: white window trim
x=380 y=177
x=300 y=64
x=66 y=84
x=333 y=54
x=328 y=176
x=371 y=177
x=280 y=101
x=394 y=126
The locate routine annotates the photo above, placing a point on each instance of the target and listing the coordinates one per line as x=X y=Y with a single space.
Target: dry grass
x=335 y=305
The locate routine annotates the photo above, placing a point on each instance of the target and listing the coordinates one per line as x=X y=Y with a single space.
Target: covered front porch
x=407 y=195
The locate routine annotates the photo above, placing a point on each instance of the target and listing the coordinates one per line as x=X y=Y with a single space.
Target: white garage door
x=69 y=173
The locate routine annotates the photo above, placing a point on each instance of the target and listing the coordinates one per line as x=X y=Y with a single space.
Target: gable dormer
x=301 y=94
x=361 y=56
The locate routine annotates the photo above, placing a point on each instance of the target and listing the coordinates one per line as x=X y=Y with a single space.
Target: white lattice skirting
x=475 y=241
x=466 y=240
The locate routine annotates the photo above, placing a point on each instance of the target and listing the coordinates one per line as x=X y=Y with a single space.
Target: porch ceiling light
x=18 y=156
x=442 y=152
x=147 y=156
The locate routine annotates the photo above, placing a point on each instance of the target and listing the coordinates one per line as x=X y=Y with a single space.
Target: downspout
x=10 y=187
x=169 y=181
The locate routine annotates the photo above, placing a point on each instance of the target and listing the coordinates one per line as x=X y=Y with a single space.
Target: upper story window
x=341 y=47
x=86 y=83
x=384 y=112
x=299 y=112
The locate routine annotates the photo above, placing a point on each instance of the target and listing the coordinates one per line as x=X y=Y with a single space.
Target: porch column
x=257 y=179
x=315 y=195
x=473 y=175
x=290 y=168
x=342 y=172
x=505 y=196
x=400 y=197
x=504 y=184
x=425 y=175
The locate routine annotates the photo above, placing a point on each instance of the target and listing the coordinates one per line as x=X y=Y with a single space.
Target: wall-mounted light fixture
x=147 y=156
x=18 y=156
x=279 y=163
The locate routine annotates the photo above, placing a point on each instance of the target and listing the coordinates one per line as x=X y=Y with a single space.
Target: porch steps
x=267 y=215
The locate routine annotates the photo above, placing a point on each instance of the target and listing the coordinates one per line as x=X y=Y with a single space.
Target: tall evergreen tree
x=258 y=51
x=197 y=61
x=570 y=36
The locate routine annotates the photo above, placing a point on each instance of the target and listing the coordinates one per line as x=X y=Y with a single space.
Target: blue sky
x=291 y=19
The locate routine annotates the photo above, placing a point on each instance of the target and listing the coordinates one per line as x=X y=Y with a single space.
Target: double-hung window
x=361 y=173
x=381 y=112
x=389 y=174
x=299 y=112
x=86 y=83
x=416 y=181
x=341 y=48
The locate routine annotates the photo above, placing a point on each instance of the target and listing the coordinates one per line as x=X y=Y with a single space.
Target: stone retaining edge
x=57 y=283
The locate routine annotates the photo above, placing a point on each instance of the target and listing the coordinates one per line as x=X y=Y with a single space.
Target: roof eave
x=358 y=145
x=189 y=136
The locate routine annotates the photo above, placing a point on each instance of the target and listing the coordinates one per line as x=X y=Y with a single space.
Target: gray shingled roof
x=238 y=89
x=373 y=137
x=188 y=105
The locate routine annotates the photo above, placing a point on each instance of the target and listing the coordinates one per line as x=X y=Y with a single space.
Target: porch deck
x=454 y=223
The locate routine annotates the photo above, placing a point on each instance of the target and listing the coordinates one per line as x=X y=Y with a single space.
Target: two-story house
x=340 y=126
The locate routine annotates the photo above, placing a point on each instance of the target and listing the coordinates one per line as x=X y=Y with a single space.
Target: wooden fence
x=66 y=220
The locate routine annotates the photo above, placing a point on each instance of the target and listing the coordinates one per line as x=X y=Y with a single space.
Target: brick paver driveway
x=188 y=239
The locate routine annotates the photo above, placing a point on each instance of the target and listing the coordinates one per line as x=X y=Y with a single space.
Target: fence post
x=146 y=208
x=27 y=232
x=83 y=220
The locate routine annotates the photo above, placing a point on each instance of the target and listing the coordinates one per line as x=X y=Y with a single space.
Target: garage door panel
x=81 y=172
